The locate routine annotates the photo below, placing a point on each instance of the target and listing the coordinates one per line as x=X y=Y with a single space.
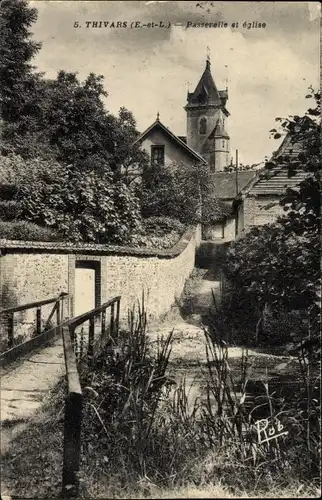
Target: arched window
x=203 y=126
x=223 y=143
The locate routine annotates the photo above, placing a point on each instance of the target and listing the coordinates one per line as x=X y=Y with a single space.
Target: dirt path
x=25 y=386
x=188 y=357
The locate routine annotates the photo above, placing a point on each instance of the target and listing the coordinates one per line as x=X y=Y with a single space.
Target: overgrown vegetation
x=163 y=440
x=69 y=164
x=23 y=230
x=179 y=192
x=142 y=436
x=273 y=272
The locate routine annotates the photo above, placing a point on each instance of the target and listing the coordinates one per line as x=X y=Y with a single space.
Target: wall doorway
x=87 y=286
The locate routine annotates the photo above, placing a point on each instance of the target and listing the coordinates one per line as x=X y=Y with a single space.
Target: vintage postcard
x=160 y=192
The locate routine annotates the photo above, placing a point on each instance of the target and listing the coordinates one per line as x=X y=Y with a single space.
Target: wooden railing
x=103 y=326
x=43 y=330
x=89 y=332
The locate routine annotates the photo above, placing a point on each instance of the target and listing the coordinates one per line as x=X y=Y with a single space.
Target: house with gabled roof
x=207 y=140
x=165 y=148
x=258 y=202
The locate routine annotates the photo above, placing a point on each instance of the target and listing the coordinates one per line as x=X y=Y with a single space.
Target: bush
x=27 y=231
x=83 y=207
x=162 y=225
x=176 y=191
x=157 y=233
x=10 y=210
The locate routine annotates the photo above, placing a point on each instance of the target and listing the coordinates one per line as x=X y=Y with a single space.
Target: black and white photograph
x=160 y=249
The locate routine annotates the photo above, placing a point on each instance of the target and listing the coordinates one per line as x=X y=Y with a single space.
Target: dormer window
x=203 y=126
x=157 y=156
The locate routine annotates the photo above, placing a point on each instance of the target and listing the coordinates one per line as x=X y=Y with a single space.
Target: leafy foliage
x=277 y=267
x=179 y=192
x=78 y=207
x=66 y=159
x=18 y=83
x=21 y=88
x=27 y=231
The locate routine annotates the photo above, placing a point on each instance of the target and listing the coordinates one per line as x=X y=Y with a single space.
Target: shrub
x=157 y=232
x=27 y=231
x=162 y=225
x=10 y=210
x=176 y=191
x=92 y=207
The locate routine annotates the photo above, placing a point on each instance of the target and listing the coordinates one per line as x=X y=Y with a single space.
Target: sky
x=147 y=70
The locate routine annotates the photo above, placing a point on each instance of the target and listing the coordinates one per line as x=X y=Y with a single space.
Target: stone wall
x=30 y=277
x=37 y=271
x=254 y=212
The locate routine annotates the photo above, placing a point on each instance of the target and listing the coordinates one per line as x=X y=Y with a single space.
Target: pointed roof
x=173 y=137
x=219 y=131
x=275 y=181
x=224 y=183
x=206 y=92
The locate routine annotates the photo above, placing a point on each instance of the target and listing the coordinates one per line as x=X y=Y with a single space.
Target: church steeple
x=206 y=92
x=206 y=113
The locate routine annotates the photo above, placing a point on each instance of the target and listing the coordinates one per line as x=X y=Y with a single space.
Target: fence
x=43 y=331
x=100 y=331
x=103 y=326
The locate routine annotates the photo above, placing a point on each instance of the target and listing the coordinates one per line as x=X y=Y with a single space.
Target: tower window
x=157 y=155
x=203 y=126
x=223 y=144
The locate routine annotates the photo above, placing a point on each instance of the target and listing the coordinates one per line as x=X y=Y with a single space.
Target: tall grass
x=144 y=437
x=142 y=431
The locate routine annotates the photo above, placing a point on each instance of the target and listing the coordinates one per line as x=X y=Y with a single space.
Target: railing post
x=91 y=334
x=117 y=323
x=11 y=340
x=103 y=323
x=112 y=321
x=72 y=444
x=38 y=320
x=63 y=306
x=72 y=423
x=72 y=334
x=58 y=312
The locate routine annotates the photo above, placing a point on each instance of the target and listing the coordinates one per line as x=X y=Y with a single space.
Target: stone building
x=226 y=186
x=258 y=202
x=206 y=115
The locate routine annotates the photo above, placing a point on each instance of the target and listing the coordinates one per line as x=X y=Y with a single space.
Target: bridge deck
x=25 y=383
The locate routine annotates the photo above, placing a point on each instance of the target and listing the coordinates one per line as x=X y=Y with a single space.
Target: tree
x=279 y=264
x=20 y=85
x=75 y=120
x=129 y=159
x=180 y=192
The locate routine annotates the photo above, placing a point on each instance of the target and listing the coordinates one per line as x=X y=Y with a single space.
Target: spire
x=208 y=58
x=158 y=116
x=206 y=92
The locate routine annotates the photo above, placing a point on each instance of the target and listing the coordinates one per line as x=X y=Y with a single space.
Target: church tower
x=206 y=115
